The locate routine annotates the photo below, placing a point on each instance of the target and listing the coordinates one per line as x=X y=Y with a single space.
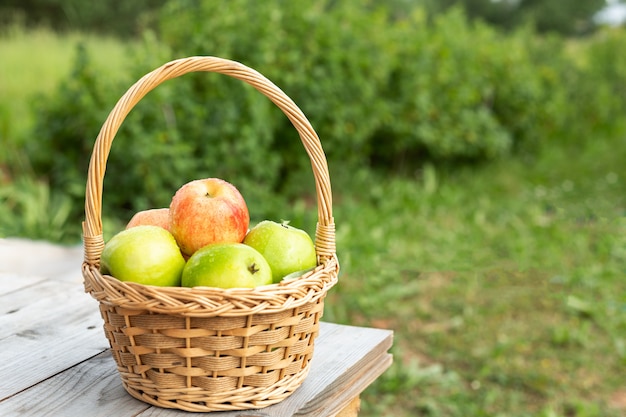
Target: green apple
x=226 y=265
x=287 y=249
x=144 y=254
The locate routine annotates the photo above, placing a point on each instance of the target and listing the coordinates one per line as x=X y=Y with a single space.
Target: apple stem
x=253 y=269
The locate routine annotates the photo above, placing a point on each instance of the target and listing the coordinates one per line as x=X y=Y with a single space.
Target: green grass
x=504 y=284
x=33 y=62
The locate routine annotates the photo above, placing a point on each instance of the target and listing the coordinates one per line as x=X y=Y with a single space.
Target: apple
x=144 y=254
x=153 y=217
x=226 y=265
x=287 y=249
x=208 y=211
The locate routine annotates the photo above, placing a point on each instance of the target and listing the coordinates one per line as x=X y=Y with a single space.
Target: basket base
x=214 y=363
x=199 y=400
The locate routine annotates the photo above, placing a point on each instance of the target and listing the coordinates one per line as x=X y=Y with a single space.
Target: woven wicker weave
x=207 y=349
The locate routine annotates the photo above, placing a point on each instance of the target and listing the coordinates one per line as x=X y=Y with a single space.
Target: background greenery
x=477 y=171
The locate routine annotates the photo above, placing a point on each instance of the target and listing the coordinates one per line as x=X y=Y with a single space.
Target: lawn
x=503 y=283
x=34 y=61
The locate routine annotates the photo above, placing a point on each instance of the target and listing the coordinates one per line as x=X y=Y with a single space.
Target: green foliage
x=23 y=81
x=112 y=17
x=601 y=92
x=166 y=141
x=567 y=18
x=443 y=95
x=324 y=55
x=30 y=208
x=380 y=89
x=124 y=18
x=64 y=143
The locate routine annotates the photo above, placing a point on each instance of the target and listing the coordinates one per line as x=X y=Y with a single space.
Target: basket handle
x=92 y=226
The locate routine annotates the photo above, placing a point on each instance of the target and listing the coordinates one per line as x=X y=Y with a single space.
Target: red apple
x=208 y=211
x=153 y=217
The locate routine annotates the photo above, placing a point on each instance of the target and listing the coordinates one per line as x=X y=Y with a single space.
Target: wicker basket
x=209 y=349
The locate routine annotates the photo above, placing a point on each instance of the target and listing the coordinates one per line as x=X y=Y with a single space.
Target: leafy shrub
x=167 y=139
x=379 y=88
x=113 y=17
x=66 y=127
x=30 y=208
x=443 y=92
x=329 y=57
x=209 y=125
x=599 y=91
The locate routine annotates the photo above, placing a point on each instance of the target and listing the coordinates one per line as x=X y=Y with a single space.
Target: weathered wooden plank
x=25 y=262
x=38 y=305
x=27 y=257
x=91 y=388
x=37 y=258
x=45 y=329
x=10 y=282
x=340 y=379
x=339 y=372
x=335 y=399
x=29 y=358
x=352 y=409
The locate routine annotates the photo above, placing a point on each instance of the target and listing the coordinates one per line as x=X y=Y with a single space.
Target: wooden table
x=54 y=358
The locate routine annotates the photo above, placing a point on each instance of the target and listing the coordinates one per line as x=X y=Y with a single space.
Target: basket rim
x=92 y=226
x=211 y=301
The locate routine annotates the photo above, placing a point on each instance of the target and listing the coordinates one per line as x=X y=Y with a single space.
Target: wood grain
x=10 y=282
x=27 y=258
x=92 y=388
x=45 y=329
x=339 y=372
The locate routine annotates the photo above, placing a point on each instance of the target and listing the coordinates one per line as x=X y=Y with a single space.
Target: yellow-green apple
x=144 y=254
x=287 y=249
x=208 y=211
x=153 y=217
x=226 y=265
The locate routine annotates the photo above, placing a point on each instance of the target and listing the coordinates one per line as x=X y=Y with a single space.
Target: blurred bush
x=29 y=208
x=382 y=90
x=120 y=18
x=598 y=96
